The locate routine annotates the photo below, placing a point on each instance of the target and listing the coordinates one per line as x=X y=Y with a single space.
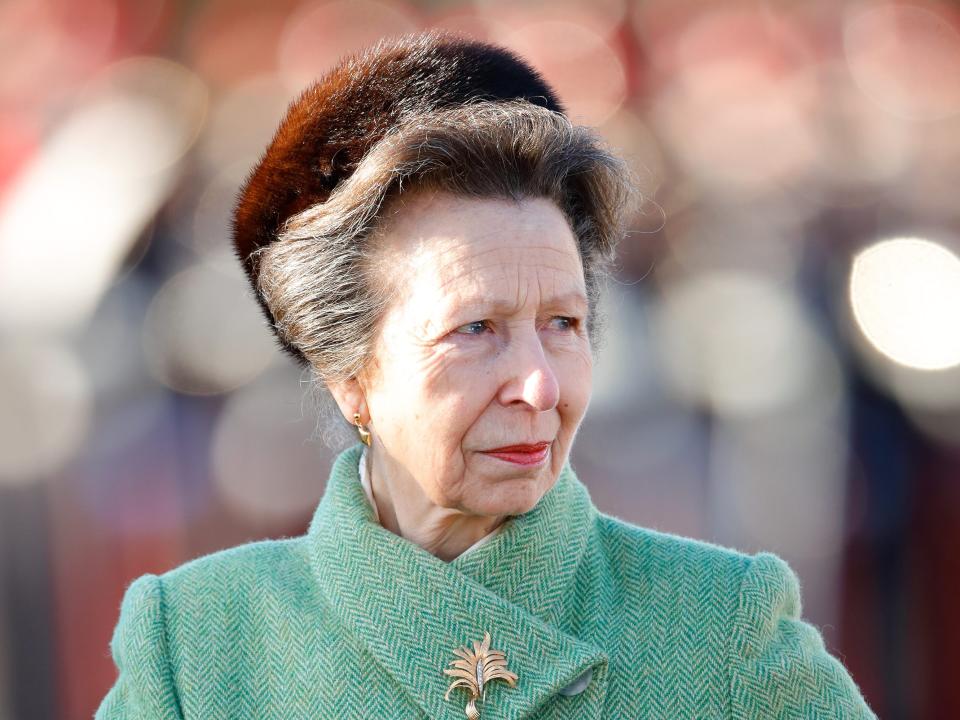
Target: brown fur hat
x=330 y=126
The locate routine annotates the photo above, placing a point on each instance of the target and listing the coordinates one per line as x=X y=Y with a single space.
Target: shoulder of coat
x=258 y=566
x=644 y=549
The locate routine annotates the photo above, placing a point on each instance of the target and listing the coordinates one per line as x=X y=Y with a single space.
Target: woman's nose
x=529 y=376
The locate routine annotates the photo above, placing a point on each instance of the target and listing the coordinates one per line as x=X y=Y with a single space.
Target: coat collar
x=412 y=609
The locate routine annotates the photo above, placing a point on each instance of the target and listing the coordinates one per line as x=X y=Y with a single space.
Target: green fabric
x=352 y=621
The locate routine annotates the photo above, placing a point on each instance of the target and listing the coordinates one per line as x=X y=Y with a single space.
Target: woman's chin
x=516 y=494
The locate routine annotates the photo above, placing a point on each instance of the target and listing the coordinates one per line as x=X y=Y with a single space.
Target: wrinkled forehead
x=502 y=273
x=439 y=244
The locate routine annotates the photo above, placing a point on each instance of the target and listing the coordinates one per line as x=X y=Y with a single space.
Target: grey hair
x=319 y=278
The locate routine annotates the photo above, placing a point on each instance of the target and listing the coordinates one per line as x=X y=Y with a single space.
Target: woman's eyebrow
x=575 y=300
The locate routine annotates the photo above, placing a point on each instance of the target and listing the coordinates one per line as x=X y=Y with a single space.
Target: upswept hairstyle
x=319 y=277
x=336 y=120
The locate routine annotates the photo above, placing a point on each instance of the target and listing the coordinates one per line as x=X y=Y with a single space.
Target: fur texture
x=330 y=126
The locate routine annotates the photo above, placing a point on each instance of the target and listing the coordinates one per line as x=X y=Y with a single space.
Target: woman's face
x=485 y=347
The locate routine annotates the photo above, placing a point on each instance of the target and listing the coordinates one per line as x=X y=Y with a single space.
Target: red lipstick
x=521 y=454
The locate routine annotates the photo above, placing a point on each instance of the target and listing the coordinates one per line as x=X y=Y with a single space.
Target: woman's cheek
x=575 y=376
x=461 y=371
x=437 y=368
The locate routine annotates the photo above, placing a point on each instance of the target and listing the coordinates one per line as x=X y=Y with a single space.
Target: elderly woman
x=427 y=233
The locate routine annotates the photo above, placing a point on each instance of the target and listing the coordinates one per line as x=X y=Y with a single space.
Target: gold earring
x=364 y=433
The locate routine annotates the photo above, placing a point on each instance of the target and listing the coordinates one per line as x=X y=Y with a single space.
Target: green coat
x=597 y=618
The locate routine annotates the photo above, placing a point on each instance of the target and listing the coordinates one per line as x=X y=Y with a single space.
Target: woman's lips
x=521 y=454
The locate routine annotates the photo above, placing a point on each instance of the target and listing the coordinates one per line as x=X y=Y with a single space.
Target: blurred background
x=782 y=364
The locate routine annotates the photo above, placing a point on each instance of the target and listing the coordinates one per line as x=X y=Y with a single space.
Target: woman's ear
x=350 y=399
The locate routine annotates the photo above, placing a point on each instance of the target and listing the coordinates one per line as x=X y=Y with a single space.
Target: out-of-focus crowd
x=781 y=368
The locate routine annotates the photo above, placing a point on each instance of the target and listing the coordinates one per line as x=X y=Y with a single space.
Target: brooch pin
x=475 y=669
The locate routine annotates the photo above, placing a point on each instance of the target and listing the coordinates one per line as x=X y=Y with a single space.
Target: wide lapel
x=412 y=609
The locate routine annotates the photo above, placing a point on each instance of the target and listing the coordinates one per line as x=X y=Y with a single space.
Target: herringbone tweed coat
x=597 y=617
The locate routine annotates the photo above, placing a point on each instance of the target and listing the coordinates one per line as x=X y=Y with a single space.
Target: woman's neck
x=406 y=511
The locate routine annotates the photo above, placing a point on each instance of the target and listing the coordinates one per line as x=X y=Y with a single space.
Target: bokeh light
x=234 y=40
x=317 y=35
x=862 y=151
x=204 y=333
x=53 y=45
x=46 y=409
x=904 y=57
x=780 y=479
x=241 y=123
x=73 y=214
x=905 y=296
x=740 y=345
x=738 y=114
x=264 y=466
x=602 y=17
x=580 y=64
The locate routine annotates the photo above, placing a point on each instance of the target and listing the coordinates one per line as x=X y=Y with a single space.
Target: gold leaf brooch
x=475 y=669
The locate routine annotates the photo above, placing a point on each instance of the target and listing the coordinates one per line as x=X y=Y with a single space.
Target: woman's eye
x=473 y=328
x=478 y=327
x=564 y=323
